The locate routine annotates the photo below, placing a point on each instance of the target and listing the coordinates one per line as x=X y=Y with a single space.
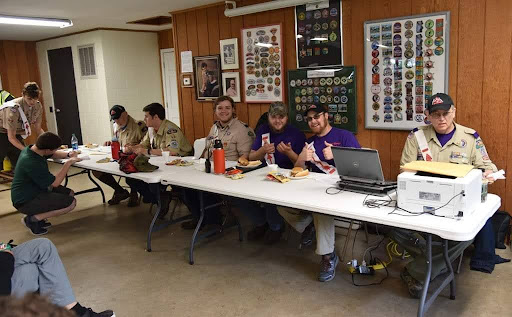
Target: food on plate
x=91 y=145
x=298 y=172
x=236 y=176
x=246 y=163
x=277 y=177
x=179 y=162
x=233 y=171
x=63 y=147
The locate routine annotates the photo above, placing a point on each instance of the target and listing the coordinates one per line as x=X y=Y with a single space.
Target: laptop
x=360 y=170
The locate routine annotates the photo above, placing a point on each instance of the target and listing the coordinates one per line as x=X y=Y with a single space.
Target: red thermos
x=115 y=148
x=219 y=160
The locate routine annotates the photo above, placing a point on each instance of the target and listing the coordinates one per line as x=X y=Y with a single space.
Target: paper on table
x=84 y=157
x=497 y=175
x=441 y=168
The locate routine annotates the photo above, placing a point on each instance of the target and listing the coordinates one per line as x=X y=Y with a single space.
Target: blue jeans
x=260 y=213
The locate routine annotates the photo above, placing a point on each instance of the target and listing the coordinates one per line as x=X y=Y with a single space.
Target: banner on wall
x=406 y=62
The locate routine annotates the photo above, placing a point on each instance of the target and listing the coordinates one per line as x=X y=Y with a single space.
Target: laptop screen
x=357 y=163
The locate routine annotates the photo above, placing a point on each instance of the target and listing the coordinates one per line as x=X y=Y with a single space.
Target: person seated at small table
x=317 y=156
x=35 y=191
x=35 y=266
x=441 y=141
x=128 y=132
x=276 y=142
x=162 y=135
x=237 y=138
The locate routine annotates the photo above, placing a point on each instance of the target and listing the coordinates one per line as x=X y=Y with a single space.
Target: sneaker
x=91 y=313
x=414 y=286
x=272 y=237
x=45 y=224
x=308 y=235
x=328 y=268
x=118 y=197
x=257 y=232
x=34 y=227
x=134 y=199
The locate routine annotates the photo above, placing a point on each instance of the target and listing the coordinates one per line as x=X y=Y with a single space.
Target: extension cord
x=371 y=269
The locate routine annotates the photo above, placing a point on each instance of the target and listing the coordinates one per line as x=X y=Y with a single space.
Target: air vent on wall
x=87 y=65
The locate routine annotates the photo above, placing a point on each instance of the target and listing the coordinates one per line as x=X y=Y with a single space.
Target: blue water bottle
x=74 y=142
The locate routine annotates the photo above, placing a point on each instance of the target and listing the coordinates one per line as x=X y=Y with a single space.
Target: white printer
x=458 y=197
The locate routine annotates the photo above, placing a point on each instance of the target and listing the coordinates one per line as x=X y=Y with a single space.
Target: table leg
x=97 y=186
x=426 y=282
x=155 y=217
x=450 y=279
x=196 y=230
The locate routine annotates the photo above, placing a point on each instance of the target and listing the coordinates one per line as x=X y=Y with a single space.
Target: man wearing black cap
x=317 y=156
x=441 y=141
x=128 y=132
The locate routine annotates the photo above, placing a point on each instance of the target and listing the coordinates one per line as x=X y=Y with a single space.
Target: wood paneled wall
x=480 y=68
x=18 y=65
x=165 y=39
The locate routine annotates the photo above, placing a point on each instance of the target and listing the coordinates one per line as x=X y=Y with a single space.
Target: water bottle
x=219 y=161
x=74 y=142
x=115 y=148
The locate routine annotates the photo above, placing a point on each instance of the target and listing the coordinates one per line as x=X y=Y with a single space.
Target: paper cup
x=165 y=155
x=273 y=167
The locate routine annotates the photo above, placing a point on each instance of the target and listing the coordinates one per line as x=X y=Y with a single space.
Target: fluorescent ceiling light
x=266 y=6
x=61 y=23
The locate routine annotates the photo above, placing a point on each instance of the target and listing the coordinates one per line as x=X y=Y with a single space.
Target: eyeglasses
x=437 y=115
x=316 y=117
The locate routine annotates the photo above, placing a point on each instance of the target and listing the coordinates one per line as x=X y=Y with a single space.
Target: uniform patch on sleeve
x=139 y=123
x=172 y=131
x=476 y=135
x=174 y=144
x=481 y=147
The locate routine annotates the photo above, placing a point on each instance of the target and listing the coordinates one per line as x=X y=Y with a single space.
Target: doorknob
x=57 y=110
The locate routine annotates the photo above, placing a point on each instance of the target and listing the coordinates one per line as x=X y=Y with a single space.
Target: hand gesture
x=74 y=159
x=139 y=150
x=327 y=151
x=73 y=154
x=284 y=147
x=268 y=148
x=486 y=175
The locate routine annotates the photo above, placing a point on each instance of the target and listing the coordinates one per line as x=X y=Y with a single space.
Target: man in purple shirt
x=317 y=156
x=279 y=143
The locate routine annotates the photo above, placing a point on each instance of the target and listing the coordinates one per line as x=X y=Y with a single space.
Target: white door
x=172 y=109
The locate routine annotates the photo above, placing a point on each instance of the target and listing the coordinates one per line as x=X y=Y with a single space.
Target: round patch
x=298 y=118
x=388 y=81
x=297 y=107
x=302 y=16
x=375 y=98
x=375 y=70
x=429 y=33
x=375 y=53
x=439 y=51
x=438 y=41
x=174 y=144
x=408 y=45
x=463 y=143
x=334 y=12
x=343 y=90
x=408 y=34
x=375 y=106
x=310 y=82
x=325 y=26
x=375 y=117
x=409 y=74
x=344 y=120
x=323 y=99
x=328 y=81
x=344 y=80
x=329 y=90
x=375 y=61
x=388 y=71
x=336 y=99
x=429 y=24
x=344 y=99
x=388 y=91
x=408 y=25
x=409 y=53
x=375 y=89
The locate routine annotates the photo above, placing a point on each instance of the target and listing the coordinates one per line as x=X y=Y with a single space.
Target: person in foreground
x=128 y=132
x=276 y=142
x=237 y=138
x=35 y=266
x=442 y=141
x=162 y=135
x=35 y=191
x=317 y=156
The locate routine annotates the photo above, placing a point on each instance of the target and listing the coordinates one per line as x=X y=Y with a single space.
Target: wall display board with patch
x=332 y=88
x=406 y=62
x=318 y=34
x=262 y=59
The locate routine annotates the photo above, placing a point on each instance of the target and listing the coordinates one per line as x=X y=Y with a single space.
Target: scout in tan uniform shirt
x=16 y=116
x=128 y=132
x=441 y=141
x=236 y=136
x=169 y=137
x=237 y=139
x=162 y=134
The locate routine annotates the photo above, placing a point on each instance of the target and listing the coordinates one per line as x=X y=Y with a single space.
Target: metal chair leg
x=460 y=263
x=345 y=245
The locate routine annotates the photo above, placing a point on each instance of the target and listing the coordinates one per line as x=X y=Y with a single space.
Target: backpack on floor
x=501 y=224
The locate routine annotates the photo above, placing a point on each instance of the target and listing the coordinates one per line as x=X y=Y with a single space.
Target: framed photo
x=405 y=63
x=187 y=80
x=207 y=72
x=229 y=53
x=318 y=34
x=231 y=85
x=263 y=67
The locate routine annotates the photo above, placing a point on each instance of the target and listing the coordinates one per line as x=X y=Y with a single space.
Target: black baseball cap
x=315 y=108
x=116 y=111
x=439 y=102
